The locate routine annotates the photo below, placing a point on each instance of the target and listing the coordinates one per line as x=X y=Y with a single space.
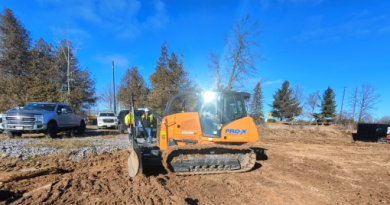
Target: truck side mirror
x=63 y=111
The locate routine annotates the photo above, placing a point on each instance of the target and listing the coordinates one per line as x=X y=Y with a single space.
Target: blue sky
x=316 y=43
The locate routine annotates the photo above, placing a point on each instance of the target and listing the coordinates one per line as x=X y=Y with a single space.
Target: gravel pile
x=16 y=147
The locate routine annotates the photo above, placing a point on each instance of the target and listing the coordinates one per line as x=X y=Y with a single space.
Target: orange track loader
x=201 y=133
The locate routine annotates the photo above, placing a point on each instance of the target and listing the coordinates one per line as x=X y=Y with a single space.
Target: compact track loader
x=200 y=133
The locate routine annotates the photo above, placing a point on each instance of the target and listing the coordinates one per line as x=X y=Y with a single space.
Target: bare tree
x=67 y=50
x=215 y=67
x=367 y=100
x=298 y=93
x=106 y=96
x=353 y=99
x=241 y=51
x=312 y=103
x=384 y=119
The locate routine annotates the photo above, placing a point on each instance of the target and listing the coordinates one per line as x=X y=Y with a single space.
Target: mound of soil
x=99 y=179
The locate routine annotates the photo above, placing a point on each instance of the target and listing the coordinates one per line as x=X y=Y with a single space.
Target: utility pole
x=113 y=86
x=67 y=41
x=342 y=103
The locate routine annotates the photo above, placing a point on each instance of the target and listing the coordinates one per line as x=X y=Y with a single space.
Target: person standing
x=147 y=123
x=129 y=119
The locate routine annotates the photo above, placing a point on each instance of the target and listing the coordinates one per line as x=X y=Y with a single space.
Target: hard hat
x=146 y=110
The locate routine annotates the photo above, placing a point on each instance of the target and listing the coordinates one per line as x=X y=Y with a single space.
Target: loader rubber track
x=247 y=164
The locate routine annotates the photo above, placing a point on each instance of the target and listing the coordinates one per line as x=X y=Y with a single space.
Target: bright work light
x=208 y=96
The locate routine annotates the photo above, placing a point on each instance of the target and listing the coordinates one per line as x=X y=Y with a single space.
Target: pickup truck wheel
x=51 y=131
x=81 y=128
x=13 y=134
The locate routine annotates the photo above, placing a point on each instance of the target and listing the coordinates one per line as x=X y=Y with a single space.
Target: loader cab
x=215 y=108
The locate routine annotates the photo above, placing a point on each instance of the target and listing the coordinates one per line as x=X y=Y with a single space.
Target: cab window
x=68 y=109
x=59 y=109
x=233 y=108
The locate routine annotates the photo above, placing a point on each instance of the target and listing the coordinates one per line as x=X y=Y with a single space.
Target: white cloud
x=273 y=82
x=119 y=16
x=358 y=25
x=269 y=3
x=79 y=33
x=385 y=29
x=119 y=60
x=160 y=18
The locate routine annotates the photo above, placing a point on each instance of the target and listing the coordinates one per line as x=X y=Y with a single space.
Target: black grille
x=108 y=120
x=30 y=119
x=24 y=119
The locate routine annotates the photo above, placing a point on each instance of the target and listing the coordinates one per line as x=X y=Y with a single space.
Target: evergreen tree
x=328 y=104
x=256 y=105
x=39 y=73
x=132 y=82
x=285 y=105
x=42 y=87
x=14 y=55
x=169 y=79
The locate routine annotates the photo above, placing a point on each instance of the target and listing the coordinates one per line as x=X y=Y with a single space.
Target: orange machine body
x=186 y=126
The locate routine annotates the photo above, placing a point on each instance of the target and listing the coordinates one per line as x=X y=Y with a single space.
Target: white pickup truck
x=41 y=117
x=107 y=119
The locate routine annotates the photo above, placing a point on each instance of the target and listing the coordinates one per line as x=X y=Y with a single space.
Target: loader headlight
x=208 y=96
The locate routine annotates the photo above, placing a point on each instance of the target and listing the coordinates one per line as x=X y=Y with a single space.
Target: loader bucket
x=133 y=163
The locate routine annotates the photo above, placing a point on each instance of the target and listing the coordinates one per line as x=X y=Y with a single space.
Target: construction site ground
x=313 y=165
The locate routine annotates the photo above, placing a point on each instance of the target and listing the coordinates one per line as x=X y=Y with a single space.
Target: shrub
x=258 y=119
x=271 y=120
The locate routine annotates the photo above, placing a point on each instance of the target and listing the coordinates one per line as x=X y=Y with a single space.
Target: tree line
x=37 y=71
x=288 y=103
x=238 y=65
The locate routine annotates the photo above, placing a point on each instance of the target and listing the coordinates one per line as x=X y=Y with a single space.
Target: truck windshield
x=39 y=106
x=107 y=115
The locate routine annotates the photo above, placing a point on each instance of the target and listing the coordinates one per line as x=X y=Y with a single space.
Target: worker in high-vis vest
x=147 y=123
x=129 y=119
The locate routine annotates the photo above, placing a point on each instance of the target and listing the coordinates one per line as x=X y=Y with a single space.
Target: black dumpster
x=371 y=132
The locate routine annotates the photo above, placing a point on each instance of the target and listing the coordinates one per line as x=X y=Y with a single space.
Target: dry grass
x=110 y=136
x=3 y=137
x=30 y=135
x=72 y=143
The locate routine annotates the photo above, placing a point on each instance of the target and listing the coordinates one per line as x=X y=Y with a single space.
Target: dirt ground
x=304 y=166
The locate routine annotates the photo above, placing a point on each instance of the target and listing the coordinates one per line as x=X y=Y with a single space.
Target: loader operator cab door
x=210 y=114
x=233 y=107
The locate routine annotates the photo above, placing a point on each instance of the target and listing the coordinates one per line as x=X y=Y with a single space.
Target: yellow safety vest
x=129 y=120
x=150 y=117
